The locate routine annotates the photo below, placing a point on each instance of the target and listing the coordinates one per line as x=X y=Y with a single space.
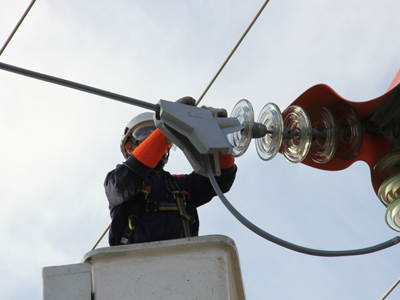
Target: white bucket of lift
x=192 y=268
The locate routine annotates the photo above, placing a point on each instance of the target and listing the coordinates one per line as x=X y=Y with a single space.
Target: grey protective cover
x=197 y=133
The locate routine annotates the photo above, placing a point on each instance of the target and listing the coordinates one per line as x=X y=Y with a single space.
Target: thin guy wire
x=233 y=51
x=391 y=289
x=101 y=237
x=17 y=26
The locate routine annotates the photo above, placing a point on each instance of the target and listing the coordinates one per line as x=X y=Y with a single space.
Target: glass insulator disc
x=390 y=190
x=387 y=166
x=296 y=148
x=324 y=143
x=392 y=215
x=269 y=145
x=240 y=140
x=350 y=130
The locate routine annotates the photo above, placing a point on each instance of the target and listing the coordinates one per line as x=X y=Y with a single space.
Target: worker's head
x=137 y=130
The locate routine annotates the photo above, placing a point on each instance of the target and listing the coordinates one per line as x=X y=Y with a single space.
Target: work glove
x=217 y=112
x=186 y=100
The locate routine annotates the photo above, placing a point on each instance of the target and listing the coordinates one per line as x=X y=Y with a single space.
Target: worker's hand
x=217 y=112
x=186 y=100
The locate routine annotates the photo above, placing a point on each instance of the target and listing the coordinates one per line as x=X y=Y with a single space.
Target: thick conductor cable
x=80 y=87
x=283 y=243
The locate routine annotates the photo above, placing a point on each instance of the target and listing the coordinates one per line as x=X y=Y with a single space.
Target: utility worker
x=147 y=203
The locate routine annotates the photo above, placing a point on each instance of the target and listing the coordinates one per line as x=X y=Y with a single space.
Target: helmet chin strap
x=163 y=161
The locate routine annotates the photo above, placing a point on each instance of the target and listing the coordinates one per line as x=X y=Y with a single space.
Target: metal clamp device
x=197 y=133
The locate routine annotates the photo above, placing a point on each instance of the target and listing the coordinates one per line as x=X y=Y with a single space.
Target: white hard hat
x=140 y=127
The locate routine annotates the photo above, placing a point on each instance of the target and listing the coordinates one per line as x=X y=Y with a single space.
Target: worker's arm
x=199 y=187
x=147 y=155
x=204 y=191
x=123 y=182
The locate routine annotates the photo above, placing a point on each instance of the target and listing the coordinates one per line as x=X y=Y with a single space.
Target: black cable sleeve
x=288 y=245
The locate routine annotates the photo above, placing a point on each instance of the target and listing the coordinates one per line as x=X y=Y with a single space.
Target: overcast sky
x=57 y=144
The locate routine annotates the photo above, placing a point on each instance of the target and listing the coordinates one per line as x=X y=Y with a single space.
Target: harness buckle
x=151 y=206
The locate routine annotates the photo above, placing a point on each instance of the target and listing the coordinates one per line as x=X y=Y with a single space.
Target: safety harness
x=141 y=204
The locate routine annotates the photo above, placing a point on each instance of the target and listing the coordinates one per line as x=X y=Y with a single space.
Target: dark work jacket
x=122 y=185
